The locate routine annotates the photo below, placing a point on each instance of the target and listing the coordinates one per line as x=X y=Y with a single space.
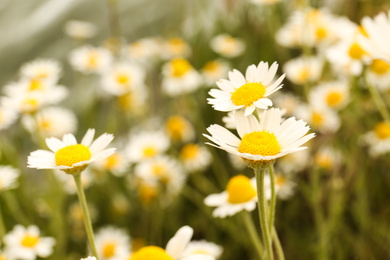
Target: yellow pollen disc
x=211 y=66
x=362 y=31
x=35 y=84
x=240 y=190
x=228 y=45
x=177 y=46
x=30 y=104
x=2 y=257
x=180 y=67
x=150 y=151
x=109 y=250
x=147 y=193
x=175 y=126
x=30 y=240
x=248 y=93
x=72 y=154
x=189 y=151
x=355 y=51
x=279 y=180
x=333 y=99
x=380 y=67
x=45 y=125
x=324 y=161
x=93 y=58
x=122 y=79
x=317 y=118
x=303 y=75
x=259 y=143
x=382 y=130
x=112 y=161
x=151 y=253
x=125 y=101
x=321 y=33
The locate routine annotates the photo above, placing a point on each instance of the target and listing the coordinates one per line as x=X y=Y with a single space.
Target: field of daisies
x=195 y=130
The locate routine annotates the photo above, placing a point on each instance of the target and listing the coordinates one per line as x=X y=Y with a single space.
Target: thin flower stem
x=14 y=208
x=273 y=198
x=259 y=172
x=278 y=245
x=250 y=226
x=3 y=231
x=380 y=104
x=87 y=219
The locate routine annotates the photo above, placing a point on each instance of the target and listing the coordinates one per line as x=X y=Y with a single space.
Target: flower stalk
x=250 y=226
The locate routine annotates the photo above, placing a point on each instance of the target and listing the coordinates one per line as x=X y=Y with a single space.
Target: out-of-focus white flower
x=320 y=118
x=229 y=120
x=42 y=69
x=378 y=74
x=80 y=30
x=112 y=243
x=378 y=140
x=175 y=47
x=8 y=116
x=203 y=247
x=327 y=158
x=134 y=100
x=227 y=45
x=294 y=162
x=240 y=194
x=334 y=94
x=179 y=77
x=303 y=69
x=146 y=145
x=237 y=162
x=287 y=102
x=284 y=187
x=90 y=59
x=27 y=243
x=215 y=70
x=51 y=121
x=246 y=92
x=122 y=78
x=8 y=177
x=179 y=129
x=116 y=163
x=195 y=157
x=70 y=185
x=145 y=49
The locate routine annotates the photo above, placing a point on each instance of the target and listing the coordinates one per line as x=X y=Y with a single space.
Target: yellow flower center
x=211 y=66
x=247 y=94
x=303 y=74
x=379 y=67
x=189 y=151
x=333 y=99
x=150 y=151
x=175 y=126
x=122 y=79
x=72 y=154
x=160 y=171
x=382 y=130
x=317 y=118
x=112 y=161
x=35 y=84
x=30 y=240
x=45 y=125
x=151 y=253
x=356 y=52
x=147 y=193
x=240 y=190
x=280 y=180
x=228 y=45
x=180 y=67
x=259 y=143
x=125 y=101
x=321 y=33
x=362 y=31
x=324 y=160
x=177 y=46
x=109 y=250
x=93 y=59
x=2 y=257
x=30 y=104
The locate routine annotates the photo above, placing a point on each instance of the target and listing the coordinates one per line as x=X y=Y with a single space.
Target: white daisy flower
x=80 y=30
x=320 y=118
x=229 y=120
x=378 y=140
x=122 y=78
x=43 y=69
x=378 y=74
x=145 y=49
x=203 y=247
x=51 y=121
x=175 y=47
x=287 y=102
x=334 y=95
x=6 y=254
x=116 y=163
x=377 y=36
x=112 y=243
x=303 y=69
x=249 y=91
x=8 y=177
x=146 y=145
x=261 y=141
x=69 y=156
x=294 y=162
x=195 y=157
x=179 y=129
x=215 y=70
x=134 y=100
x=327 y=158
x=70 y=185
x=227 y=46
x=27 y=243
x=240 y=194
x=237 y=162
x=179 y=77
x=90 y=59
x=8 y=116
x=284 y=187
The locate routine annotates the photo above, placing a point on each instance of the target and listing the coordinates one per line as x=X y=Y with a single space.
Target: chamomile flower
x=8 y=177
x=195 y=157
x=284 y=186
x=246 y=92
x=264 y=141
x=42 y=69
x=287 y=102
x=322 y=119
x=377 y=36
x=179 y=77
x=203 y=247
x=303 y=69
x=27 y=243
x=227 y=46
x=80 y=30
x=70 y=185
x=334 y=94
x=112 y=243
x=327 y=158
x=5 y=255
x=294 y=162
x=69 y=156
x=146 y=145
x=134 y=100
x=179 y=129
x=122 y=78
x=229 y=120
x=175 y=47
x=237 y=162
x=240 y=194
x=8 y=116
x=90 y=59
x=378 y=74
x=51 y=121
x=116 y=163
x=214 y=70
x=378 y=140
x=145 y=49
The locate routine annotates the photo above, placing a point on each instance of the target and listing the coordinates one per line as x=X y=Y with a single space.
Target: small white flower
x=27 y=244
x=246 y=92
x=287 y=102
x=303 y=69
x=294 y=162
x=334 y=94
x=320 y=118
x=70 y=185
x=145 y=49
x=69 y=156
x=378 y=74
x=43 y=69
x=112 y=243
x=378 y=140
x=284 y=187
x=8 y=116
x=175 y=47
x=116 y=164
x=227 y=45
x=90 y=59
x=327 y=158
x=80 y=30
x=195 y=157
x=8 y=177
x=179 y=129
x=203 y=247
x=215 y=70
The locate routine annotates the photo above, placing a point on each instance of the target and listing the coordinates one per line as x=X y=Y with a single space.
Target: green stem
x=15 y=209
x=87 y=219
x=273 y=198
x=250 y=226
x=3 y=231
x=380 y=104
x=262 y=204
x=278 y=245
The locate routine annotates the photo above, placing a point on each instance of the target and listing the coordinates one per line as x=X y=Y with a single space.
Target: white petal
x=214 y=200
x=54 y=144
x=88 y=137
x=177 y=244
x=69 y=139
x=245 y=124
